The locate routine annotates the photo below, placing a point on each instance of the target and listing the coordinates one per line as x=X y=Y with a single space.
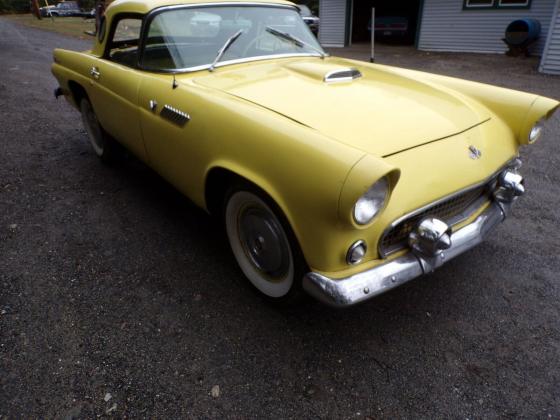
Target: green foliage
x=86 y=4
x=21 y=6
x=14 y=6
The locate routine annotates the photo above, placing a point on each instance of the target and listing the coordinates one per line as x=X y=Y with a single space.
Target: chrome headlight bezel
x=536 y=131
x=370 y=204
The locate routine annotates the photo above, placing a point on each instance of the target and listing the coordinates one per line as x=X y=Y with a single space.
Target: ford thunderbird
x=338 y=178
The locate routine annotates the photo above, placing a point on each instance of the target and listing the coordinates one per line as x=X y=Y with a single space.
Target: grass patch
x=72 y=26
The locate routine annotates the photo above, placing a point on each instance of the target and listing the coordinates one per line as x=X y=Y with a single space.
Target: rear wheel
x=104 y=146
x=264 y=245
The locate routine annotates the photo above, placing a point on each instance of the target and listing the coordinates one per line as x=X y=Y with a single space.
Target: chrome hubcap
x=263 y=243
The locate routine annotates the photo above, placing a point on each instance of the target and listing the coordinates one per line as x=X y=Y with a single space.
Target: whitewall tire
x=104 y=146
x=262 y=245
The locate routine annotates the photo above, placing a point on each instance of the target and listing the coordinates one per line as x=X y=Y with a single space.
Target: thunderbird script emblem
x=474 y=153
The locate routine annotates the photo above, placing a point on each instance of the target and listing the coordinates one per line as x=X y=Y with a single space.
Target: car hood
x=381 y=113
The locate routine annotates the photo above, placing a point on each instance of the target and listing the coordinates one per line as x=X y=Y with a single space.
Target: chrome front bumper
x=367 y=284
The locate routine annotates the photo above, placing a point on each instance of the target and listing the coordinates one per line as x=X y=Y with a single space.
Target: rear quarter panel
x=72 y=65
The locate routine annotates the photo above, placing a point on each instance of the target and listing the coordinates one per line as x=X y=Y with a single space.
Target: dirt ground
x=119 y=298
x=73 y=26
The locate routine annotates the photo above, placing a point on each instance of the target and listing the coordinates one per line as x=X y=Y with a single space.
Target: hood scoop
x=342 y=75
x=330 y=96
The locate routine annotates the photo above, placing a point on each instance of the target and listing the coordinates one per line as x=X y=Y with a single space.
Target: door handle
x=94 y=71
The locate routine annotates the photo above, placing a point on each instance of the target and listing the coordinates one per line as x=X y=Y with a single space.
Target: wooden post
x=372 y=57
x=35 y=9
x=49 y=10
x=100 y=6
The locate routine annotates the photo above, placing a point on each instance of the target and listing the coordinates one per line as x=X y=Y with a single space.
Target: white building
x=447 y=25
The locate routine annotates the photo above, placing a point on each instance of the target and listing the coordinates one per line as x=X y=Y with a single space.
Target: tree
x=12 y=6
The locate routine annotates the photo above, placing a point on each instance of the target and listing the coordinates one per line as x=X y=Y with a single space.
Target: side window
x=123 y=47
x=182 y=38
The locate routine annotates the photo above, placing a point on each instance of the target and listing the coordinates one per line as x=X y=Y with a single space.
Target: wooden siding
x=447 y=27
x=550 y=62
x=332 y=27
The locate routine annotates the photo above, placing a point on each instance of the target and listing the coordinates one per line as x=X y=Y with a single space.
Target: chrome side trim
x=174 y=115
x=454 y=220
x=367 y=284
x=342 y=75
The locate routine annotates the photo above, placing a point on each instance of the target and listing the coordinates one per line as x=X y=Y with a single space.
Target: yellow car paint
x=318 y=105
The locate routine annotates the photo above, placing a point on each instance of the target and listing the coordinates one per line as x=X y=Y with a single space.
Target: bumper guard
x=368 y=284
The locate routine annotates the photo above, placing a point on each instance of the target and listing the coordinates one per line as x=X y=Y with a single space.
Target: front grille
x=450 y=211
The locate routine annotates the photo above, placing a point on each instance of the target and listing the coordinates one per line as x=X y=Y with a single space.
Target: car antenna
x=174 y=84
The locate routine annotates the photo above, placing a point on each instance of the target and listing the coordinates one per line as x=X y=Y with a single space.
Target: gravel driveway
x=118 y=297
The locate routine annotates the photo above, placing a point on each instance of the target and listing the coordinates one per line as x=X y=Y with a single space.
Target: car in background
x=88 y=14
x=44 y=11
x=309 y=18
x=63 y=9
x=391 y=27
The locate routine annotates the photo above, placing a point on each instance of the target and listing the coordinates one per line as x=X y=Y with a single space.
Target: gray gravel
x=119 y=298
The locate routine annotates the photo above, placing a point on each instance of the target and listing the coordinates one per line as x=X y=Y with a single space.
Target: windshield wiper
x=224 y=48
x=296 y=41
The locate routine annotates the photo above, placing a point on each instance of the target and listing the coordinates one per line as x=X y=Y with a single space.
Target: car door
x=173 y=124
x=115 y=80
x=174 y=116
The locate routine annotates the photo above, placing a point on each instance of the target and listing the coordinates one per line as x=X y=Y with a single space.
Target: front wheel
x=264 y=246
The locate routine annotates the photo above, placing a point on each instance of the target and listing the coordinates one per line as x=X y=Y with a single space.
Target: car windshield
x=190 y=38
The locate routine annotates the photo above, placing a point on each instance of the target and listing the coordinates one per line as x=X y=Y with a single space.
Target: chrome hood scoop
x=369 y=108
x=342 y=75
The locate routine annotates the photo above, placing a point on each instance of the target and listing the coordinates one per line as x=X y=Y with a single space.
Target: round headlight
x=536 y=131
x=369 y=204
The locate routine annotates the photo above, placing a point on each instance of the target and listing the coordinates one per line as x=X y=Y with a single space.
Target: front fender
x=361 y=177
x=518 y=110
x=302 y=170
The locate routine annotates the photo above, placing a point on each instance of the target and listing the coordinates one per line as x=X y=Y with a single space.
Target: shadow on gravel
x=201 y=267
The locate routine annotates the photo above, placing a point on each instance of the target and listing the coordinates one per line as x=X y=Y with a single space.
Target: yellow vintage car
x=339 y=178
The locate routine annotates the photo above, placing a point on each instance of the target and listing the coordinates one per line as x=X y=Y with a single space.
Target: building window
x=478 y=4
x=514 y=3
x=496 y=4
